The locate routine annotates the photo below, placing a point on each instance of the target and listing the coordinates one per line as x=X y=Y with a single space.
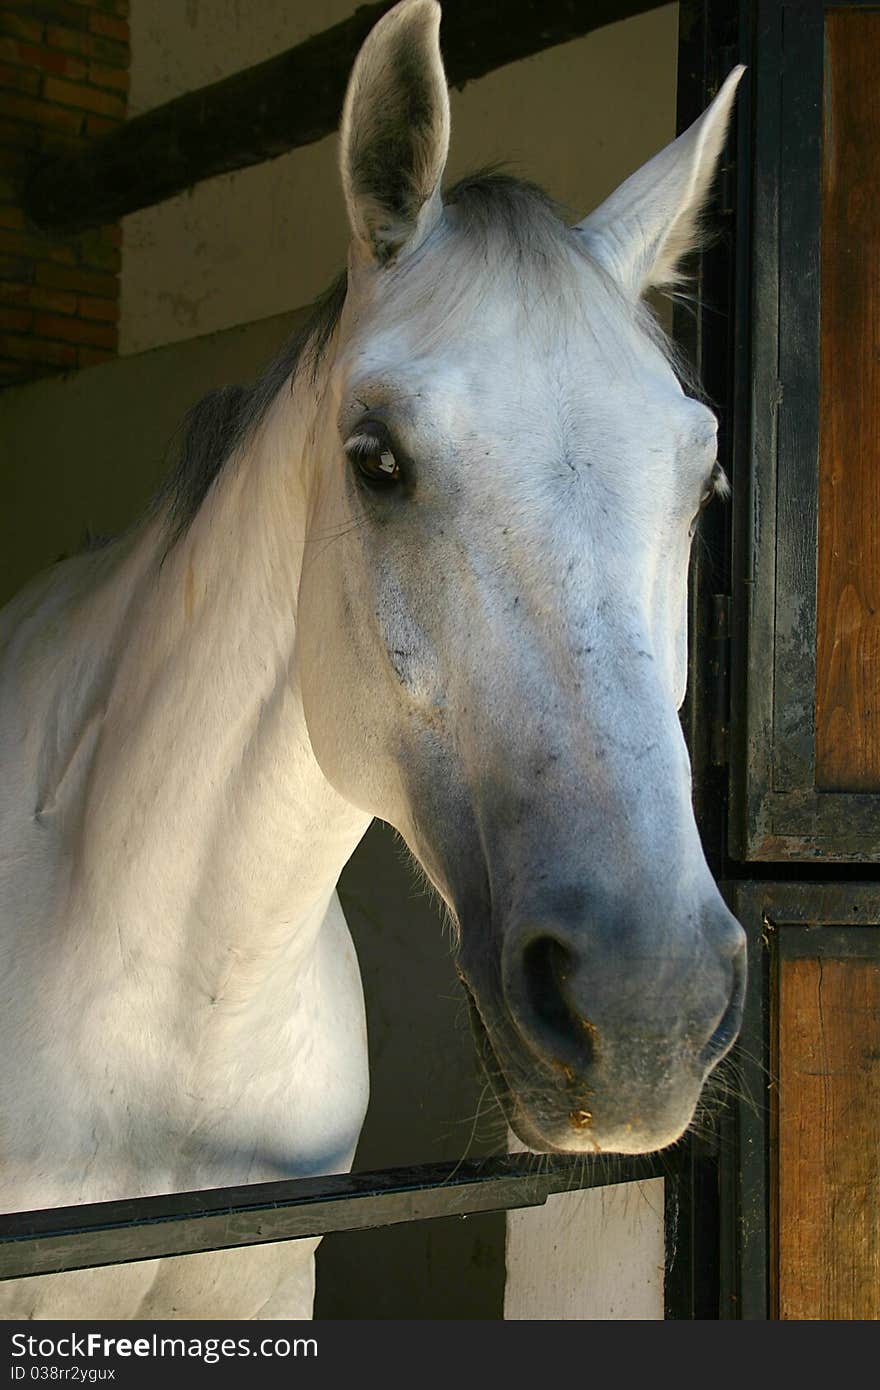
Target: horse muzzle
x=599 y=1040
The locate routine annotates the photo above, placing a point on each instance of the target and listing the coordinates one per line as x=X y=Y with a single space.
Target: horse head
x=493 y=648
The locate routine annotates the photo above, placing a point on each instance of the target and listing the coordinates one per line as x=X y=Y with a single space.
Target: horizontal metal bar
x=184 y=1223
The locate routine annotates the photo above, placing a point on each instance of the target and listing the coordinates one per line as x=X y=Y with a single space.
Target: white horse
x=431 y=568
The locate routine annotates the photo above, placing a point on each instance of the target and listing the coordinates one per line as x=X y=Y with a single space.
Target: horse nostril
x=551 y=1018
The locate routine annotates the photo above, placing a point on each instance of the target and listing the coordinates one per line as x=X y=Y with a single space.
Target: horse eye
x=705 y=498
x=374 y=458
x=716 y=486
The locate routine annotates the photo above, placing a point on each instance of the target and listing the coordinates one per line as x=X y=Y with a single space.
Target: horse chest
x=164 y=1090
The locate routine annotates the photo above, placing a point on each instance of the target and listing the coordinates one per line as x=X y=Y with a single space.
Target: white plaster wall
x=179 y=45
x=244 y=246
x=595 y=1255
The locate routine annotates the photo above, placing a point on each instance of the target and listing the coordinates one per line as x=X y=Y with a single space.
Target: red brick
x=41 y=113
x=16 y=138
x=33 y=349
x=101 y=125
x=34 y=297
x=48 y=59
x=63 y=75
x=63 y=11
x=12 y=161
x=91 y=357
x=29 y=29
x=109 y=52
x=14 y=292
x=14 y=267
x=62 y=254
x=56 y=301
x=117 y=7
x=96 y=250
x=12 y=218
x=22 y=243
x=10 y=244
x=109 y=27
x=104 y=309
x=70 y=40
x=117 y=78
x=72 y=330
x=13 y=372
x=19 y=79
x=85 y=98
x=106 y=51
x=15 y=320
x=90 y=282
x=15 y=242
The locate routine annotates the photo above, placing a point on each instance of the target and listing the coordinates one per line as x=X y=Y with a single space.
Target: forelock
x=504 y=235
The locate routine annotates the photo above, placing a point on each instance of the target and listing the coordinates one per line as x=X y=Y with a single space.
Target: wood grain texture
x=848 y=600
x=827 y=1209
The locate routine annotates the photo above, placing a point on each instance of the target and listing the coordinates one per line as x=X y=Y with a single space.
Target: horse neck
x=209 y=728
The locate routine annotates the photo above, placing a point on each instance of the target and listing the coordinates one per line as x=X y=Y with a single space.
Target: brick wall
x=63 y=81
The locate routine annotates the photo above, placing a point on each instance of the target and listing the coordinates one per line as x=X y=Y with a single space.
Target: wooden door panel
x=805 y=775
x=806 y=1189
x=848 y=597
x=827 y=1027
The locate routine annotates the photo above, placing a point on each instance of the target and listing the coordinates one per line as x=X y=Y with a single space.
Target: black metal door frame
x=798 y=867
x=713 y=38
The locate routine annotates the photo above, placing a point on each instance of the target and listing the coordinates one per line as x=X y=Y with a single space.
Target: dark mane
x=493 y=204
x=214 y=428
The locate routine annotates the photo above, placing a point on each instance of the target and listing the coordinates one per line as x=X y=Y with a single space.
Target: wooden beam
x=291 y=100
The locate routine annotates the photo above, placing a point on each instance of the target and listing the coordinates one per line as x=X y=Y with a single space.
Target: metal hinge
x=719 y=680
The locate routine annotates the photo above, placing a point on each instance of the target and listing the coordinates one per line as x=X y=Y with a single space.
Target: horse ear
x=395 y=132
x=643 y=231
